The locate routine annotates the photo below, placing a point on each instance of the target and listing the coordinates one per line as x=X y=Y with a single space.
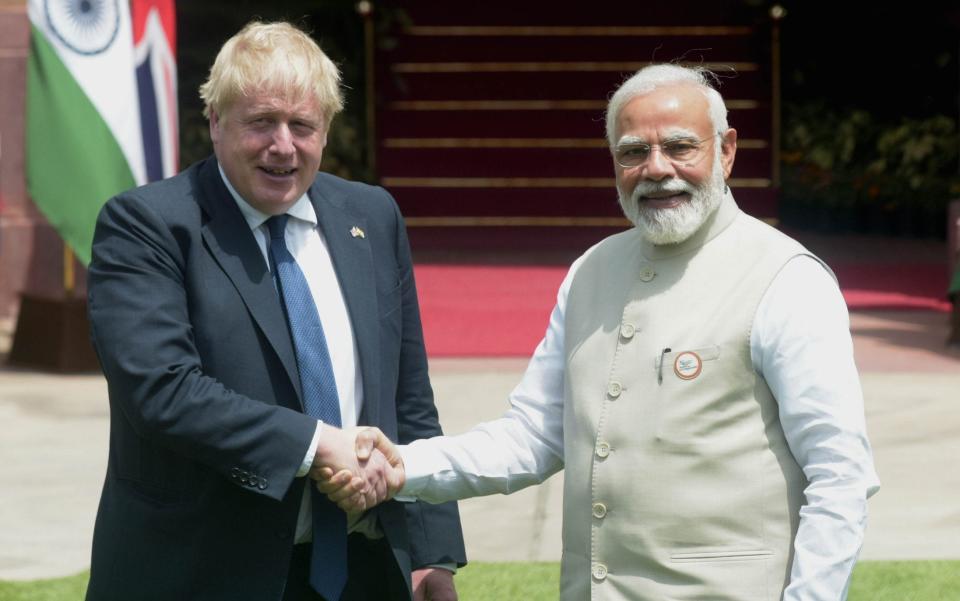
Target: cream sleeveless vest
x=679 y=484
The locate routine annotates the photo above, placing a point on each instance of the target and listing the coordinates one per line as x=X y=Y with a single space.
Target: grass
x=526 y=581
x=906 y=581
x=71 y=588
x=872 y=581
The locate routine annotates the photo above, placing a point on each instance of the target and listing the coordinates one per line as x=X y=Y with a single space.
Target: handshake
x=357 y=468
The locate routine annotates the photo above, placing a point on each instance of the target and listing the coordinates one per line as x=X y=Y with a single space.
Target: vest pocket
x=727 y=575
x=681 y=363
x=689 y=395
x=739 y=555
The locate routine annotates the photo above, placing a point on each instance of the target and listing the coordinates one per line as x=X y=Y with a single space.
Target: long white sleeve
x=521 y=448
x=801 y=345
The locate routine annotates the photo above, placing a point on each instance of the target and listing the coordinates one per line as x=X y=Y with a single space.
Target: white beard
x=674 y=225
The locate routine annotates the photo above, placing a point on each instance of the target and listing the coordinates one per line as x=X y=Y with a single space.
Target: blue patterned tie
x=328 y=563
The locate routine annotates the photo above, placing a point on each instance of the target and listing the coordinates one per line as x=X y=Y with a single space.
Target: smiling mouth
x=280 y=172
x=664 y=200
x=662 y=195
x=659 y=197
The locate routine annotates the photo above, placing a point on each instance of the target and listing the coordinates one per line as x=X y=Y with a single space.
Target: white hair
x=650 y=78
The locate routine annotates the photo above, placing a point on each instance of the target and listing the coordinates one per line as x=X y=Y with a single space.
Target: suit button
x=599 y=571
x=614 y=389
x=599 y=511
x=603 y=450
x=627 y=330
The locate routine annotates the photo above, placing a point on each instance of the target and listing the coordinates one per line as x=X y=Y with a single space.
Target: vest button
x=647 y=273
x=614 y=389
x=603 y=450
x=599 y=511
x=599 y=571
x=627 y=330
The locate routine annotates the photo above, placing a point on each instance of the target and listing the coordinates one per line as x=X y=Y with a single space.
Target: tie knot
x=277 y=226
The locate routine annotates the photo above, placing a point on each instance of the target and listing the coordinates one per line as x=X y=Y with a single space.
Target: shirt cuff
x=415 y=476
x=311 y=452
x=450 y=567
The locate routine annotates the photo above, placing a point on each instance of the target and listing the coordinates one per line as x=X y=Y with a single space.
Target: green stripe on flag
x=73 y=162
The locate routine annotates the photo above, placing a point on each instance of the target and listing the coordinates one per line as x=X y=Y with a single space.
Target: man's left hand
x=433 y=584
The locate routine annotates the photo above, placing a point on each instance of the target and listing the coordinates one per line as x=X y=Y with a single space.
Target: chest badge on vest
x=687 y=365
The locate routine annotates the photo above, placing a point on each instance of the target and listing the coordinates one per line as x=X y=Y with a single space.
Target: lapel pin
x=688 y=365
x=357 y=232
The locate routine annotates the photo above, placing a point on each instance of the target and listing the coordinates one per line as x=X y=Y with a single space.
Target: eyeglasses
x=681 y=152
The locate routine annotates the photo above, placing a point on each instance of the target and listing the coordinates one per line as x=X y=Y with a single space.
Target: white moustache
x=673 y=186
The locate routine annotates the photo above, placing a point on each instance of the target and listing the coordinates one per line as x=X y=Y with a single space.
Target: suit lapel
x=353 y=263
x=230 y=241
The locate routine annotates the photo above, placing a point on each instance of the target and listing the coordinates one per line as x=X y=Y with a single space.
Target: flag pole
x=69 y=274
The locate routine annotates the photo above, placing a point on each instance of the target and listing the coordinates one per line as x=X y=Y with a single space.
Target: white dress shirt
x=800 y=344
x=306 y=243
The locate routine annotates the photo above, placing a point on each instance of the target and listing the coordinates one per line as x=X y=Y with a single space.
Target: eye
x=680 y=149
x=302 y=128
x=634 y=152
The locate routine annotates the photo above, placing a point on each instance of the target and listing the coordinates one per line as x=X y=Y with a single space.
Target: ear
x=214 y=127
x=728 y=151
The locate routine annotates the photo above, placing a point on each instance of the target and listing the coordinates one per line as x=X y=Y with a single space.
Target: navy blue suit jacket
x=200 y=499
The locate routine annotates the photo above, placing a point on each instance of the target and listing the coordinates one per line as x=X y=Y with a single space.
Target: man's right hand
x=360 y=475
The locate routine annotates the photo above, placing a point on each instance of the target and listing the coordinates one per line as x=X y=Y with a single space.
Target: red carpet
x=497 y=310
x=893 y=286
x=486 y=311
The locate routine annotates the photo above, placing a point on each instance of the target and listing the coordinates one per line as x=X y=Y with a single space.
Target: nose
x=657 y=167
x=282 y=142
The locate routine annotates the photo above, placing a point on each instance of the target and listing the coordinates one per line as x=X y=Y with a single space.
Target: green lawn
x=61 y=589
x=872 y=581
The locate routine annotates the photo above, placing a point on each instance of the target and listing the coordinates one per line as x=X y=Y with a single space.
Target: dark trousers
x=373 y=574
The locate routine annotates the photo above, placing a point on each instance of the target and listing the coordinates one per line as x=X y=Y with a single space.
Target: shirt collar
x=302 y=209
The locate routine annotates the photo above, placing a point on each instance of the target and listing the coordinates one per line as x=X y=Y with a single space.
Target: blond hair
x=272 y=57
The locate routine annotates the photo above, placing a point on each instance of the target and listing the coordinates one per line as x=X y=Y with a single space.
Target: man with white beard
x=696 y=382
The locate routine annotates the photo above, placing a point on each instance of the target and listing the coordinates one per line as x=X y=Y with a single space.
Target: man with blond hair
x=696 y=382
x=249 y=313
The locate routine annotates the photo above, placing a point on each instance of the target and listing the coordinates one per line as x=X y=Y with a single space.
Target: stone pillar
x=51 y=328
x=31 y=252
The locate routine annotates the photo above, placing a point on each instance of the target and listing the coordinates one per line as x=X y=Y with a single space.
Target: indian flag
x=83 y=136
